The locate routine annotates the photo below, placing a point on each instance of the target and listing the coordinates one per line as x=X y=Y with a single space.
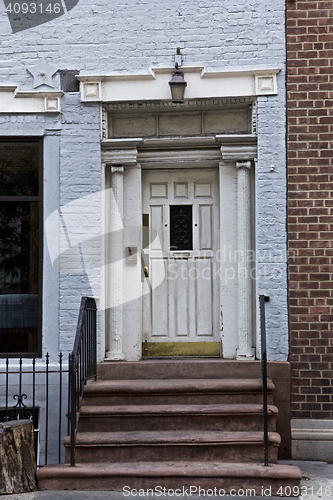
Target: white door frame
x=182 y=316
x=235 y=154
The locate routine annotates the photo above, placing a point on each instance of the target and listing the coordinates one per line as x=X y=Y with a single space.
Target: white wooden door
x=181 y=206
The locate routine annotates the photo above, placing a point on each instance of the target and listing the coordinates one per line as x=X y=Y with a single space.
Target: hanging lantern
x=177 y=85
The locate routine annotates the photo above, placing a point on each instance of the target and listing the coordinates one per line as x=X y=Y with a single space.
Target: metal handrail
x=83 y=364
x=262 y=300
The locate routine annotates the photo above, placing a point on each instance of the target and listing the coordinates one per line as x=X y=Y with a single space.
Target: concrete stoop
x=170 y=475
x=143 y=427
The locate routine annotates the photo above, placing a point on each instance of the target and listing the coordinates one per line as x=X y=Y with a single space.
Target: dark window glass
x=19 y=247
x=181 y=227
x=19 y=168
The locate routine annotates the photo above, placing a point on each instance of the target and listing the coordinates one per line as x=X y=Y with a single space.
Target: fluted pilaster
x=116 y=258
x=245 y=349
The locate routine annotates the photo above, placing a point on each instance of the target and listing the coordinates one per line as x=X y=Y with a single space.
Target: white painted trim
x=104 y=231
x=91 y=91
x=52 y=104
x=181 y=152
x=190 y=152
x=238 y=147
x=265 y=84
x=120 y=152
x=14 y=101
x=200 y=84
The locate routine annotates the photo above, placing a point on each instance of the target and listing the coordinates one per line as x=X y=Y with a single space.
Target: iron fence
x=36 y=389
x=42 y=391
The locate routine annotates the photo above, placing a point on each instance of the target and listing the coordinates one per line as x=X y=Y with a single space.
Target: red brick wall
x=310 y=205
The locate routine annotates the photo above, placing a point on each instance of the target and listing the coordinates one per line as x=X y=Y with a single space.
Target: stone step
x=175 y=391
x=230 y=477
x=232 y=417
x=182 y=368
x=172 y=445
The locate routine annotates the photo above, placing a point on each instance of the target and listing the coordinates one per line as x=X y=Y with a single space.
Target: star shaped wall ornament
x=42 y=74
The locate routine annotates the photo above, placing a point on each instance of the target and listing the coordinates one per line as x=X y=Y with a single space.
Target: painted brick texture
x=135 y=35
x=310 y=205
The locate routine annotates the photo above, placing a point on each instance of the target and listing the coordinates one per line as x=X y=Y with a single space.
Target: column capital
x=120 y=151
x=243 y=164
x=117 y=169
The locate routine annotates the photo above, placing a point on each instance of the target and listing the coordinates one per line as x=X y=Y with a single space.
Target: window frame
x=40 y=200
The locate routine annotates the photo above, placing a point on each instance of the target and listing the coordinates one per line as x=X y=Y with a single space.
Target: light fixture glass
x=177 y=85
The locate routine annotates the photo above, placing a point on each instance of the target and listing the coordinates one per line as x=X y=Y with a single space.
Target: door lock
x=145 y=264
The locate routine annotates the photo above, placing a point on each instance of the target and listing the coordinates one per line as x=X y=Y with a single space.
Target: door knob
x=145 y=271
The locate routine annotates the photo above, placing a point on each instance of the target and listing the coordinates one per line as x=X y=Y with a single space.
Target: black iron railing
x=83 y=364
x=262 y=300
x=26 y=385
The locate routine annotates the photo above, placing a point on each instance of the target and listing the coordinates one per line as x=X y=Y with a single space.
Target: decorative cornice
x=187 y=151
x=200 y=84
x=120 y=152
x=239 y=149
x=14 y=101
x=191 y=104
x=186 y=158
x=111 y=144
x=125 y=157
x=123 y=77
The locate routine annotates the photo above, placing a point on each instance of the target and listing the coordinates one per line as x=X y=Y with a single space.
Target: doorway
x=180 y=293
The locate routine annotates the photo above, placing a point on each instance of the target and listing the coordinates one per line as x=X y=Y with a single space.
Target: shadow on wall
x=23 y=15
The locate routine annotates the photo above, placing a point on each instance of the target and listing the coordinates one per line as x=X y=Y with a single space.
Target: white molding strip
x=200 y=84
x=14 y=101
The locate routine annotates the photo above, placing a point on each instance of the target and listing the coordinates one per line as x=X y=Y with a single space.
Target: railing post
x=262 y=300
x=47 y=406
x=60 y=405
x=72 y=371
x=7 y=386
x=82 y=363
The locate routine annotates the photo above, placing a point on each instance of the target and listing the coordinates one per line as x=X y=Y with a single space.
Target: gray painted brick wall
x=132 y=36
x=271 y=220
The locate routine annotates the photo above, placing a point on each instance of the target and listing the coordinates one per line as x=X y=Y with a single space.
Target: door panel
x=205 y=227
x=159 y=294
x=182 y=206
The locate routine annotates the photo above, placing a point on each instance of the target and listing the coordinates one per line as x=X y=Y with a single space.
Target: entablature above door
x=182 y=152
x=199 y=133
